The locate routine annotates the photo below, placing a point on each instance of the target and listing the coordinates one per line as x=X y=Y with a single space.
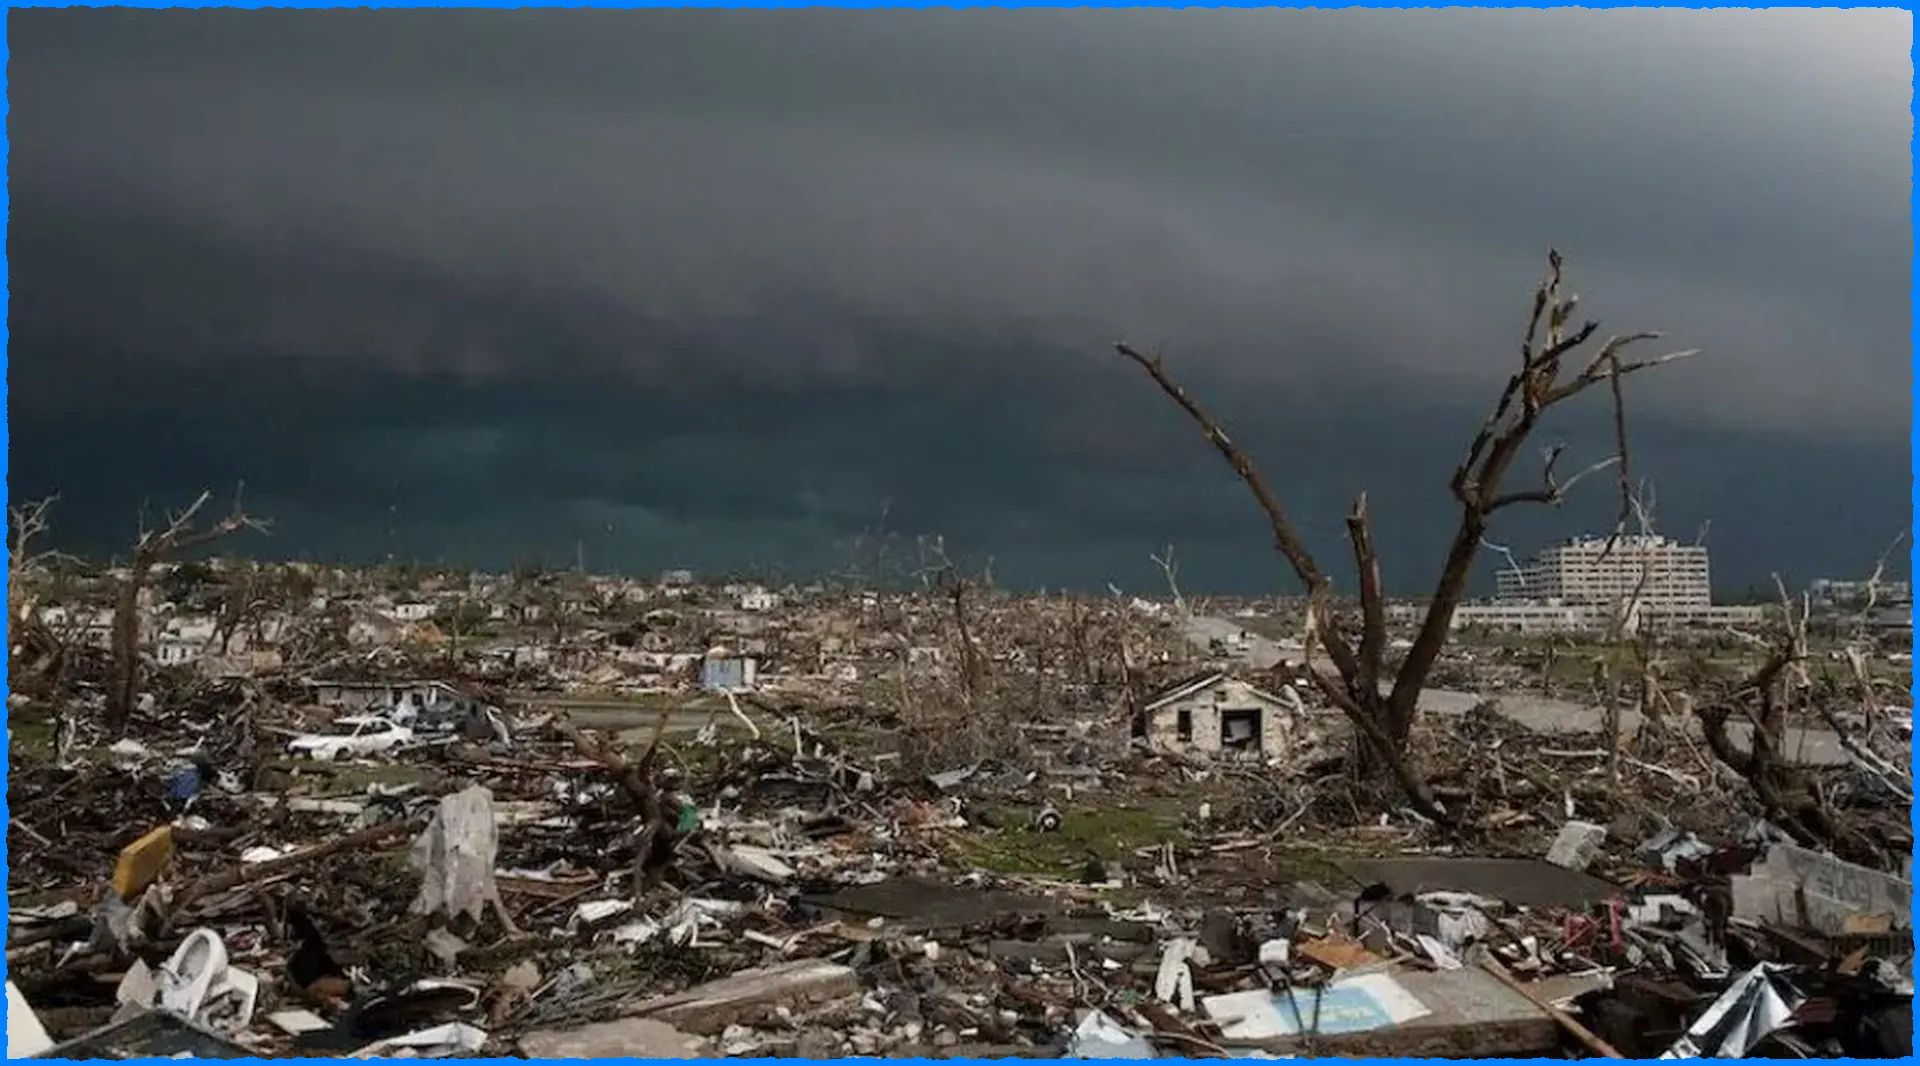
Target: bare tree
x=1781 y=685
x=29 y=523
x=242 y=599
x=1633 y=662
x=1763 y=698
x=938 y=572
x=1549 y=373
x=1003 y=667
x=29 y=634
x=1171 y=568
x=182 y=533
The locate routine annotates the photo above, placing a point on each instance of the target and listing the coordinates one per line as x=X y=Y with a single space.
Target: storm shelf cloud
x=718 y=287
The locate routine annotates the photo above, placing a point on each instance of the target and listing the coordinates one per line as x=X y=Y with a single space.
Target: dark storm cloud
x=725 y=281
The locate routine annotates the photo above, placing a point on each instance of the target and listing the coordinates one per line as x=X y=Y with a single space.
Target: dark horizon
x=717 y=288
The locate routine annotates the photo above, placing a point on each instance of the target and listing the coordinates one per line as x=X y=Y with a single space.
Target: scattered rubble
x=789 y=874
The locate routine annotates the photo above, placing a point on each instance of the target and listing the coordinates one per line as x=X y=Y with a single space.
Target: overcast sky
x=723 y=286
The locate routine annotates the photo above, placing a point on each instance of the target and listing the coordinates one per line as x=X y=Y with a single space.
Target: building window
x=1183 y=726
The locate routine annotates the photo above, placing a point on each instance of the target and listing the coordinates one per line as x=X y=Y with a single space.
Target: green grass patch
x=313 y=777
x=1108 y=833
x=1323 y=862
x=30 y=731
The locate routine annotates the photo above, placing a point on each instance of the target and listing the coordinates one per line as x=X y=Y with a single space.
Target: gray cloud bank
x=718 y=283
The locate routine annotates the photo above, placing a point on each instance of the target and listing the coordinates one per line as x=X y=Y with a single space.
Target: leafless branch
x=1537 y=384
x=1553 y=493
x=1291 y=547
x=151 y=548
x=1171 y=569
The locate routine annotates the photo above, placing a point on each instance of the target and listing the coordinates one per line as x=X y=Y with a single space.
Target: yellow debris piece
x=142 y=861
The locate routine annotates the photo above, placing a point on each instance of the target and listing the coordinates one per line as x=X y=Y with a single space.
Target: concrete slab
x=1059 y=951
x=1577 y=845
x=1868 y=891
x=638 y=1038
x=750 y=997
x=1797 y=888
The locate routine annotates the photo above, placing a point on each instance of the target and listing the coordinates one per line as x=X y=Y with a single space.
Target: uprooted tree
x=183 y=532
x=1557 y=363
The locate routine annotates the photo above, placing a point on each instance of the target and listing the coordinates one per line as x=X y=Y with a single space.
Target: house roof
x=1188 y=689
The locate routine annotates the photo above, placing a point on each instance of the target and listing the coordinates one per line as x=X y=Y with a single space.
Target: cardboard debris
x=1337 y=953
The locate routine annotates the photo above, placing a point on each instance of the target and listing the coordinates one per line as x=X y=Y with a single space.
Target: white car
x=366 y=735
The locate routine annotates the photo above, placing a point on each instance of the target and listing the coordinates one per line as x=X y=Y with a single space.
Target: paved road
x=1813 y=747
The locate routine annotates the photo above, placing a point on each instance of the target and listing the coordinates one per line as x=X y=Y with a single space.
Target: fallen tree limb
x=260 y=871
x=634 y=779
x=1561 y=1018
x=656 y=845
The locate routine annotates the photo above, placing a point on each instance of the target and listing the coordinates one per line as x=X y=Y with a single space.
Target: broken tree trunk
x=150 y=549
x=1384 y=722
x=658 y=839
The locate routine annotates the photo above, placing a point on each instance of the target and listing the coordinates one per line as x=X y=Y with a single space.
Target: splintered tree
x=1557 y=363
x=182 y=533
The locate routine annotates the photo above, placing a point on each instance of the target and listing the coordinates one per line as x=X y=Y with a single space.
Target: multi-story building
x=1596 y=583
x=1604 y=571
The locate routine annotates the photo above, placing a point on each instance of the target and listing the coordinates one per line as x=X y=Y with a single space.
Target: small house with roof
x=1220 y=715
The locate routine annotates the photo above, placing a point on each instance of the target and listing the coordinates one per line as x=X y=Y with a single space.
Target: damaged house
x=1218 y=714
x=360 y=697
x=722 y=670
